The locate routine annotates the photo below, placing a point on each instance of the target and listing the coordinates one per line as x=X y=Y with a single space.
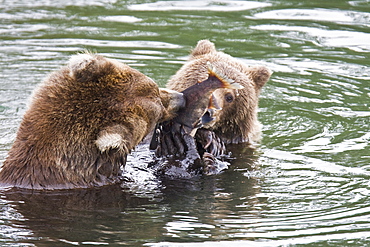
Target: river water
x=306 y=184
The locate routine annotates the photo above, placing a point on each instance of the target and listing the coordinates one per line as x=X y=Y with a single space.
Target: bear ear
x=203 y=47
x=85 y=64
x=80 y=62
x=260 y=75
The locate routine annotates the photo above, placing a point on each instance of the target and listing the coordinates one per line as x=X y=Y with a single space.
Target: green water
x=307 y=184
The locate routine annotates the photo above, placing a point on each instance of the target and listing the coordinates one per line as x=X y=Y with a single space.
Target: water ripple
x=357 y=41
x=208 y=5
x=337 y=16
x=93 y=42
x=121 y=18
x=57 y=3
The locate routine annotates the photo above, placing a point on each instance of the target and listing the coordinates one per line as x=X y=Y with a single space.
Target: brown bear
x=231 y=117
x=236 y=122
x=82 y=122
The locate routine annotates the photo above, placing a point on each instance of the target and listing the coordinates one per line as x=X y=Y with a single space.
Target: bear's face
x=236 y=122
x=82 y=122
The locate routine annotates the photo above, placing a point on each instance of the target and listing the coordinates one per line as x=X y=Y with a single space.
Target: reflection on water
x=307 y=183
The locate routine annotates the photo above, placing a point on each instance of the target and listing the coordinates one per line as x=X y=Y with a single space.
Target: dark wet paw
x=212 y=165
x=209 y=162
x=209 y=142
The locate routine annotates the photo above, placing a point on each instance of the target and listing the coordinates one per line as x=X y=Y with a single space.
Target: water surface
x=306 y=184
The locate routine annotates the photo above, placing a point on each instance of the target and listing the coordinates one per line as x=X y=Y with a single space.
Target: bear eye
x=229 y=97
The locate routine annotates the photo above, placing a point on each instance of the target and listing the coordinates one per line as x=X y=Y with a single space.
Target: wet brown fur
x=82 y=122
x=237 y=121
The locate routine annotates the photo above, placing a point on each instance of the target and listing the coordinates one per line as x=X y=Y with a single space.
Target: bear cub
x=237 y=121
x=231 y=118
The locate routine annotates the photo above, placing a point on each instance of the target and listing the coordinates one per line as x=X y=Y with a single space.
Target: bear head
x=236 y=121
